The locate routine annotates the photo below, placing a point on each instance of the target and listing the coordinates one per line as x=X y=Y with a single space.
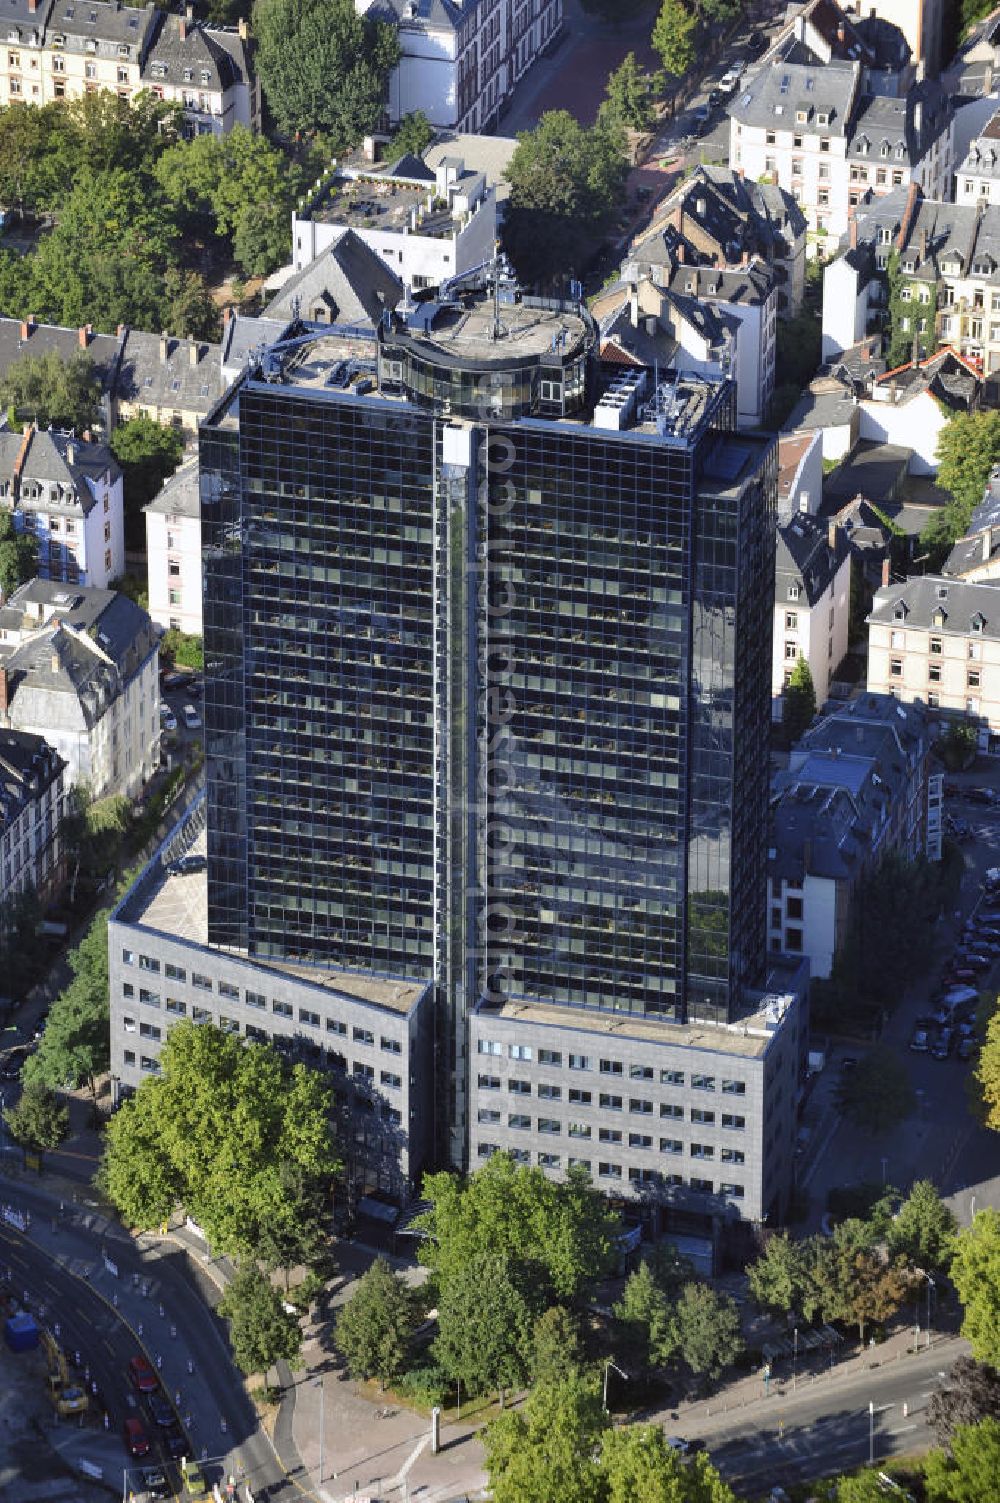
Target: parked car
x=178 y=678
x=967 y=1046
x=135 y=1437
x=189 y=863
x=176 y=1442
x=714 y=99
x=168 y=720
x=154 y=1482
x=974 y=961
x=943 y=1044
x=919 y=1042
x=191 y=718
x=161 y=1411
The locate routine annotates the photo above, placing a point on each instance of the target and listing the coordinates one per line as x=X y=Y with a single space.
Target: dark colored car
x=154 y=1482
x=141 y=1374
x=178 y=679
x=160 y=1410
x=973 y=961
x=919 y=1042
x=714 y=99
x=135 y=1437
x=942 y=1045
x=177 y=1443
x=967 y=1046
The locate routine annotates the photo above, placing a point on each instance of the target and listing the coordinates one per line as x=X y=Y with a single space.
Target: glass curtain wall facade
x=488 y=699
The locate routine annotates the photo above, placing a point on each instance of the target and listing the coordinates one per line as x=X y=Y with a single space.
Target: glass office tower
x=488 y=670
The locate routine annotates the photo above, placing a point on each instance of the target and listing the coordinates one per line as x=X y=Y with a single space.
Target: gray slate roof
x=28 y=765
x=176 y=381
x=772 y=98
x=921 y=597
x=57 y=458
x=109 y=24
x=200 y=50
x=43 y=339
x=348 y=284
x=179 y=495
x=804 y=556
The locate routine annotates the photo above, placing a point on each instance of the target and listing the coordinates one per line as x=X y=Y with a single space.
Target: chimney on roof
x=164 y=346
x=22 y=455
x=189 y=12
x=83 y=334
x=700 y=207
x=841 y=33
x=55 y=658
x=71 y=455
x=32 y=7
x=681 y=253
x=193 y=353
x=182 y=28
x=923 y=246
x=886 y=574
x=5 y=691
x=918 y=118
x=242 y=29
x=26 y=327
x=909 y=211
x=804 y=501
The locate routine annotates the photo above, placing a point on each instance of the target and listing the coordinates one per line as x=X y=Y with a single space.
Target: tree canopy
x=563 y=1231
x=261 y=1331
x=18 y=555
x=798 y=700
x=375 y=1327
x=39 y=1120
x=968 y=448
x=566 y=181
x=975 y=1272
x=673 y=36
x=971 y=1394
x=987 y=1073
x=877 y=1094
x=707 y=1329
x=217 y=1132
x=486 y=1317
x=52 y=392
x=75 y=1047
x=629 y=95
x=923 y=1231
x=149 y=453
x=322 y=66
x=969 y=1472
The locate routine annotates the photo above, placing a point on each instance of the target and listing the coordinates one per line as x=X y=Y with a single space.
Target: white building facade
x=173 y=553
x=66 y=493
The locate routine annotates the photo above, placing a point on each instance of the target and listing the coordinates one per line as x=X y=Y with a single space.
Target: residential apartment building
x=79 y=667
x=854 y=792
x=173 y=381
x=976 y=557
x=936 y=640
x=718 y=219
x=812 y=604
x=66 y=493
x=977 y=178
x=542 y=580
x=460 y=60
x=32 y=804
x=812 y=131
x=173 y=552
x=20 y=338
x=58 y=49
x=426 y=224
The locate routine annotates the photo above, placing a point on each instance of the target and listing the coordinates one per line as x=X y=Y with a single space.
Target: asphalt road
x=826 y=1428
x=62 y=1266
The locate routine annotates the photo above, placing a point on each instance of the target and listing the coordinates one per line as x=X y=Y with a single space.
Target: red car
x=142 y=1376
x=134 y=1436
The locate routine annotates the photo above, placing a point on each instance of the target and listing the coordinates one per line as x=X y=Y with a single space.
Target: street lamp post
x=609 y=1364
x=795 y=1356
x=871 y=1432
x=930 y=1285
x=322 y=1427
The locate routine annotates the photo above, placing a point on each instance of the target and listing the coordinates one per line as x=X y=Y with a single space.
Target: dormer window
x=91 y=44
x=901 y=150
x=123 y=49
x=801 y=116
x=910 y=264
x=206 y=77
x=939 y=618
x=978 y=622
x=793 y=592
x=58 y=40
x=13 y=35
x=864 y=145
x=188 y=75
x=159 y=70
x=822 y=118
x=899 y=613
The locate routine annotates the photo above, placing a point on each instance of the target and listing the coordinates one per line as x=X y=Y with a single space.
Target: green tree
x=629 y=95
x=294 y=1232
x=375 y=1327
x=987 y=1074
x=556 y=1353
x=183 y=649
x=645 y=1314
x=187 y=305
x=975 y=1272
x=566 y=183
x=972 y=1393
x=872 y=1288
x=39 y=1120
x=52 y=392
x=969 y=1474
x=779 y=1276
x=22 y=954
x=923 y=1231
x=798 y=702
x=563 y=1231
x=877 y=1094
x=548 y=1449
x=485 y=1323
x=149 y=453
x=93 y=835
x=322 y=66
x=261 y=1331
x=638 y=1466
x=414 y=134
x=968 y=448
x=219 y=1132
x=707 y=1328
x=75 y=1048
x=674 y=36
x=18 y=555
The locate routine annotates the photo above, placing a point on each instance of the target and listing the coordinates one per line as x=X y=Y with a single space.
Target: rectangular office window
x=130 y=1056
x=704 y=1185
x=732 y=1121
x=735 y=1192
x=580 y=1164
x=640 y=1106
x=227 y=989
x=671 y=1077
x=486 y=1150
x=697 y=1115
x=334 y=1025
x=363 y=1036
x=176 y=1006
x=489 y=1082
x=309 y=1018
x=609 y=1171
x=128 y=1024
x=549 y=1057
x=579 y=1098
x=390 y=1079
x=610 y=1135
x=640 y=1072
x=521 y=1051
x=738 y=1087
x=151 y=1066
x=549 y=1125
x=549 y=1092
x=204 y=983
x=578 y=1130
x=702 y=1151
x=703 y=1082
x=733 y=1156
x=579 y=1061
x=640 y=1140
x=148 y=963
x=610 y=1103
x=671 y=1109
x=611 y=1067
x=229 y=1025
x=490 y=1046
x=363 y=1073
x=151 y=999
x=519 y=1087
x=128 y=990
x=519 y=1120
x=201 y=1015
x=255 y=999
x=488 y=1114
x=128 y=957
x=281 y=1009
x=391 y=1046
x=548 y=1161
x=174 y=972
x=671 y=1145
